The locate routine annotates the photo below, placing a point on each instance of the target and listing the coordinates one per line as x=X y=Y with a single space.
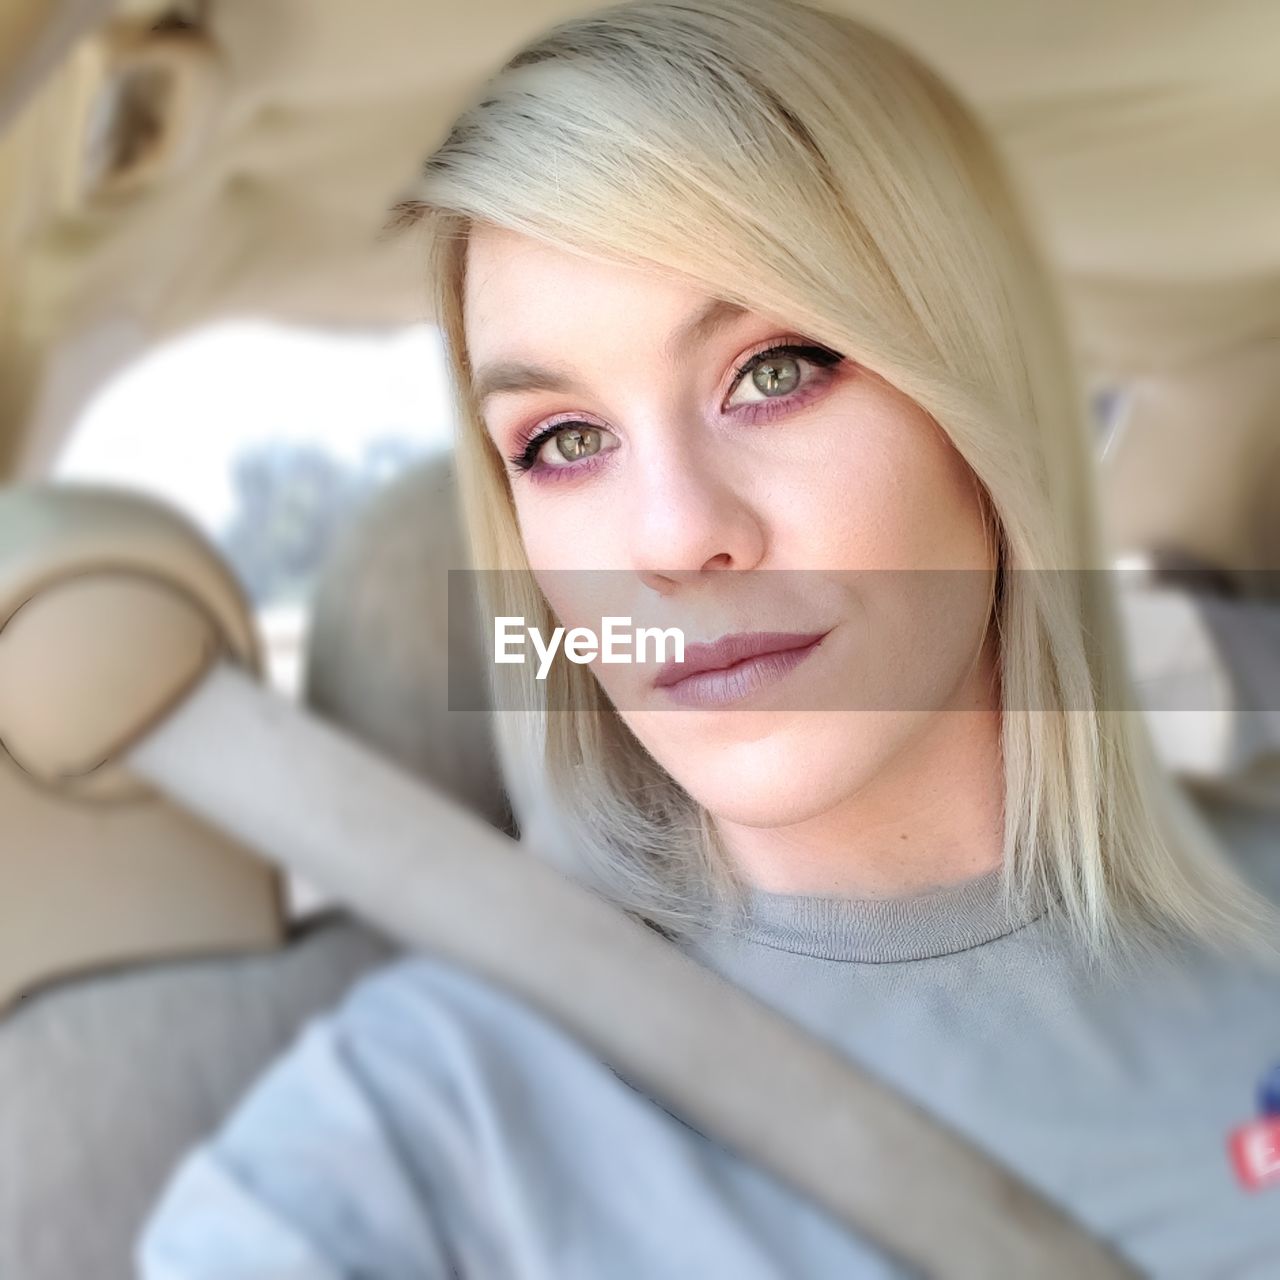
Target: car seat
x=149 y=967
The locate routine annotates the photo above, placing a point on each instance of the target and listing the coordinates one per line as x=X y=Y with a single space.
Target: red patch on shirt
x=1255 y=1152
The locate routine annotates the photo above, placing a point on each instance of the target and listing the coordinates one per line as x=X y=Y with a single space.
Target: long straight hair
x=801 y=163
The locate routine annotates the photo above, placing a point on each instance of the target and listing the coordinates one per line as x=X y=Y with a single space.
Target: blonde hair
x=800 y=163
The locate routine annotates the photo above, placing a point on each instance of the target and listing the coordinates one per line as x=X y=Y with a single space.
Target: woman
x=740 y=286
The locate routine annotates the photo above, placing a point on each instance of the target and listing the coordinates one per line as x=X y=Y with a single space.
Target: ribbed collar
x=920 y=926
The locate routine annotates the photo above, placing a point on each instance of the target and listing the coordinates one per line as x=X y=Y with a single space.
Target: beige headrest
x=112 y=606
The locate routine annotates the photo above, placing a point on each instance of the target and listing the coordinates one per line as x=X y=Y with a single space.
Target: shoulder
x=424 y=989
x=302 y=1179
x=441 y=1017
x=350 y=1152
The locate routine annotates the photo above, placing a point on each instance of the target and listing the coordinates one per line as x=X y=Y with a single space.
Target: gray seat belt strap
x=441 y=879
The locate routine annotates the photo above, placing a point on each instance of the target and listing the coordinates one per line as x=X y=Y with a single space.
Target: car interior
x=168 y=165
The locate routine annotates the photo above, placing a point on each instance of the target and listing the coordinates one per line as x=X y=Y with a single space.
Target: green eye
x=559 y=446
x=580 y=441
x=780 y=371
x=776 y=376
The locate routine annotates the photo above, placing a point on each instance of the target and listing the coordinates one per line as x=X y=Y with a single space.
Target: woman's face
x=653 y=481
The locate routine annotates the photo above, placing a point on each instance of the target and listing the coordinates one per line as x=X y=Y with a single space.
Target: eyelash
x=524 y=460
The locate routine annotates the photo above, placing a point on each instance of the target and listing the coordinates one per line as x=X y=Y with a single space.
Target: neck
x=933 y=815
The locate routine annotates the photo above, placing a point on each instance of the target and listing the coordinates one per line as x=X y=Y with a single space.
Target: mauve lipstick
x=714 y=675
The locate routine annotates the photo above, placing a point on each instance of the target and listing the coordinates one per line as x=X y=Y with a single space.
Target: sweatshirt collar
x=918 y=926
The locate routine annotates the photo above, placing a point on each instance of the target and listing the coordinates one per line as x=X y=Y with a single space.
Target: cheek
x=566 y=531
x=565 y=564
x=891 y=492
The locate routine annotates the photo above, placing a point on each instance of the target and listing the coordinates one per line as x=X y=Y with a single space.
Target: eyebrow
x=517 y=375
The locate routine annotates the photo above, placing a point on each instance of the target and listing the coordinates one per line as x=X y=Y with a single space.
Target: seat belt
x=439 y=878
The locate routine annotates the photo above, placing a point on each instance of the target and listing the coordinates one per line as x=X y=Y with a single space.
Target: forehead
x=521 y=292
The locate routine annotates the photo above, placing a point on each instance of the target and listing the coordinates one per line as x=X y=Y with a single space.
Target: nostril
x=659 y=583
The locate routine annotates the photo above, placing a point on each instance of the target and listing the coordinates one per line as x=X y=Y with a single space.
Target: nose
x=688 y=514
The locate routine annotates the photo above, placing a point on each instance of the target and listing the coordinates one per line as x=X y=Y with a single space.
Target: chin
x=761 y=811
x=810 y=767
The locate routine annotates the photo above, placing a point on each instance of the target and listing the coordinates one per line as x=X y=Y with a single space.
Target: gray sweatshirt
x=434 y=1126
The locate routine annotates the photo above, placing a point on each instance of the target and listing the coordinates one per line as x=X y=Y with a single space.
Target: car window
x=270 y=438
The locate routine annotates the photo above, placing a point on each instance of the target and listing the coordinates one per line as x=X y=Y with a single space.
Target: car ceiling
x=186 y=162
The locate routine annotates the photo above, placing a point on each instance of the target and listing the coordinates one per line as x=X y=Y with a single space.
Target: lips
x=735 y=667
